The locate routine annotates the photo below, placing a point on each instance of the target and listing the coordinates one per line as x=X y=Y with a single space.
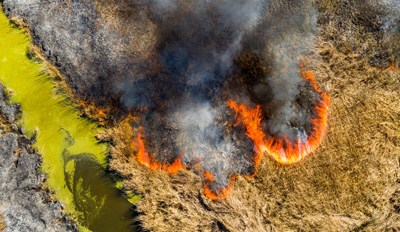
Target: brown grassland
x=351 y=183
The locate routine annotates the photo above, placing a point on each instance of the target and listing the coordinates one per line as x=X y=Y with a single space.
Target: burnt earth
x=25 y=205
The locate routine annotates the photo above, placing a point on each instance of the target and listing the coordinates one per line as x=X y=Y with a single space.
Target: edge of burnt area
x=10 y=114
x=252 y=70
x=225 y=120
x=112 y=116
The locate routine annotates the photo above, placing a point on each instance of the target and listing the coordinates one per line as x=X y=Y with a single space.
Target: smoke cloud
x=391 y=27
x=196 y=69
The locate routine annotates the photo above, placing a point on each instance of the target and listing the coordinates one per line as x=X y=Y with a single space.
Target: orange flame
x=209 y=176
x=282 y=149
x=135 y=118
x=393 y=67
x=145 y=158
x=251 y=119
x=221 y=193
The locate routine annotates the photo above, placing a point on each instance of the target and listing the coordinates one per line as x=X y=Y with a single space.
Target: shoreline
x=25 y=203
x=105 y=186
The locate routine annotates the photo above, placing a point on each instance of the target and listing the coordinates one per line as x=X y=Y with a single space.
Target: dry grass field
x=2 y=226
x=351 y=183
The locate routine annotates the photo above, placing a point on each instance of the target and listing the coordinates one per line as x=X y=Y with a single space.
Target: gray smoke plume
x=198 y=43
x=288 y=42
x=391 y=27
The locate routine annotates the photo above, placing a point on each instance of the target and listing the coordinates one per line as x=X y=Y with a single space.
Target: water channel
x=74 y=161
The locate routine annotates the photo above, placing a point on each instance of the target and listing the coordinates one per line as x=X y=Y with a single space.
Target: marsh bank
x=74 y=161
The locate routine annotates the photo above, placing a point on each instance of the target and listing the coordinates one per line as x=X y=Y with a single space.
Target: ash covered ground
x=25 y=205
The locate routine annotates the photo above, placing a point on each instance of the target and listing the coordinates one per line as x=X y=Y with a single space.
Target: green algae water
x=73 y=159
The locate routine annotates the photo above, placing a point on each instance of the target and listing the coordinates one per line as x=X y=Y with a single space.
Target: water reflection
x=100 y=205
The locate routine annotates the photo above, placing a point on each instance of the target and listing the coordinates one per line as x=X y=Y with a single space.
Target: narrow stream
x=73 y=159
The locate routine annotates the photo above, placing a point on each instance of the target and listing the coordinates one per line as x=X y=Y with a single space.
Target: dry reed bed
x=2 y=226
x=348 y=184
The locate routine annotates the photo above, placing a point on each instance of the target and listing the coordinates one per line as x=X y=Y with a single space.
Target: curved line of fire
x=281 y=149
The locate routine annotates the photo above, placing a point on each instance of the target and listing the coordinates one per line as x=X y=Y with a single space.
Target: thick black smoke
x=391 y=27
x=289 y=34
x=197 y=43
x=195 y=62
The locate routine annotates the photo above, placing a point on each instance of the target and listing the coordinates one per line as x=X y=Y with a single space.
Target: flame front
x=220 y=193
x=279 y=148
x=145 y=158
x=251 y=120
x=209 y=176
x=282 y=149
x=393 y=67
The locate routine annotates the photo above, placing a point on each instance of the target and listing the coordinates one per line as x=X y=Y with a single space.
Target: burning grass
x=345 y=185
x=145 y=158
x=282 y=149
x=348 y=184
x=221 y=193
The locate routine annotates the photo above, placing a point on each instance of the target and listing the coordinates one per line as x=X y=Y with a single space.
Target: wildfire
x=251 y=119
x=145 y=158
x=393 y=67
x=209 y=176
x=282 y=149
x=218 y=194
x=135 y=118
